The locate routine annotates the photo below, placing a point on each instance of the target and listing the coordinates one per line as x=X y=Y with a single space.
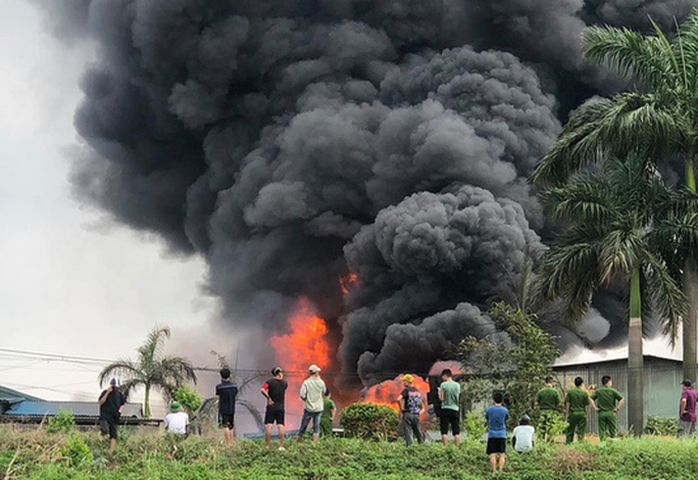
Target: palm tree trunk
x=636 y=416
x=147 y=400
x=690 y=289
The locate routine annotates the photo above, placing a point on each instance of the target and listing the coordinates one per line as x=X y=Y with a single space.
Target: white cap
x=313 y=369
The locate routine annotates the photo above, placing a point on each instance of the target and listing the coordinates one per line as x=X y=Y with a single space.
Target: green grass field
x=37 y=455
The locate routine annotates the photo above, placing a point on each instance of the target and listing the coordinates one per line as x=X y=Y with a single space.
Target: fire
x=386 y=393
x=349 y=282
x=304 y=345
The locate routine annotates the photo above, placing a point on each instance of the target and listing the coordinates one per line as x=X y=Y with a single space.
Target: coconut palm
x=660 y=117
x=619 y=222
x=151 y=369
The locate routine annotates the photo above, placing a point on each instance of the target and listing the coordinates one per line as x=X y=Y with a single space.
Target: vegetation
x=369 y=421
x=152 y=369
x=517 y=367
x=188 y=398
x=662 y=426
x=63 y=422
x=35 y=456
x=660 y=118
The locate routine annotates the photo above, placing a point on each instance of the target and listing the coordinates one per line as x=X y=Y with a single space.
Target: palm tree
x=151 y=369
x=619 y=220
x=660 y=117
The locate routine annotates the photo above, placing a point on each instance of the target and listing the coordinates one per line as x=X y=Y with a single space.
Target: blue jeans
x=316 y=416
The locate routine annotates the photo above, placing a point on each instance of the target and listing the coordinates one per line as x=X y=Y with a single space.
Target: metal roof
x=79 y=409
x=11 y=395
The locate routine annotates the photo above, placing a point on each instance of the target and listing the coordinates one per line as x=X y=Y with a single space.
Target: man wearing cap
x=687 y=410
x=111 y=402
x=176 y=421
x=410 y=402
x=274 y=390
x=227 y=392
x=312 y=392
x=606 y=398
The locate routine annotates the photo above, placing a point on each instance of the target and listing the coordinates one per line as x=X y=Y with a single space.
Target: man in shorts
x=496 y=417
x=111 y=402
x=274 y=390
x=449 y=394
x=312 y=393
x=227 y=392
x=605 y=399
x=687 y=410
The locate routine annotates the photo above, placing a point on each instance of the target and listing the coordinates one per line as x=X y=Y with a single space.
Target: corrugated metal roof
x=79 y=409
x=13 y=395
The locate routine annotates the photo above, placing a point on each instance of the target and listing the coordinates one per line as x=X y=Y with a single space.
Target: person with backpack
x=411 y=405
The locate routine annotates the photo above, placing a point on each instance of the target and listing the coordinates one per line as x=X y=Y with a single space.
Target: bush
x=475 y=425
x=662 y=426
x=369 y=421
x=63 y=422
x=188 y=398
x=75 y=451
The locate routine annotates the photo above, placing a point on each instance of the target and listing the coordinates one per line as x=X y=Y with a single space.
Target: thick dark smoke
x=291 y=142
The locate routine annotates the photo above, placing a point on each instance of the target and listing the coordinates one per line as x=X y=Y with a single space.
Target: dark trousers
x=608 y=425
x=411 y=425
x=577 y=421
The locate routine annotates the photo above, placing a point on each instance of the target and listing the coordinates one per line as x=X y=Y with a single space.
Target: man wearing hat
x=411 y=405
x=687 y=410
x=176 y=421
x=312 y=392
x=111 y=402
x=274 y=390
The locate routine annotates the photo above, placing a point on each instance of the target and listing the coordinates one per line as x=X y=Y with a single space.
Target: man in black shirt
x=227 y=392
x=274 y=390
x=111 y=402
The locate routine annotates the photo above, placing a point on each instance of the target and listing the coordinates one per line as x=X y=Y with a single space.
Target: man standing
x=576 y=406
x=605 y=398
x=449 y=394
x=548 y=400
x=111 y=402
x=312 y=392
x=496 y=417
x=177 y=421
x=410 y=402
x=687 y=410
x=227 y=392
x=328 y=410
x=274 y=390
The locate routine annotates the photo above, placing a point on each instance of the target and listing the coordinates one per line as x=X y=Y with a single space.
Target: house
x=662 y=384
x=18 y=407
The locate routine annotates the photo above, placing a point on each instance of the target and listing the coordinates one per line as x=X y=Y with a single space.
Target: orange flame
x=349 y=282
x=387 y=392
x=304 y=345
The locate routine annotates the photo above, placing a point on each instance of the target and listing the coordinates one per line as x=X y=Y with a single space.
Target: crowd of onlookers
x=320 y=409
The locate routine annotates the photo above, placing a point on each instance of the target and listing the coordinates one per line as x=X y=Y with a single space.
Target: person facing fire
x=227 y=392
x=329 y=407
x=607 y=401
x=576 y=407
x=449 y=394
x=274 y=390
x=312 y=392
x=411 y=405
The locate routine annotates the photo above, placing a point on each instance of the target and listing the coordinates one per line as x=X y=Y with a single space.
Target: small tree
x=188 y=398
x=517 y=366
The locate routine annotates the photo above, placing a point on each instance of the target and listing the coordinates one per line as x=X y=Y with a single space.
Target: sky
x=71 y=281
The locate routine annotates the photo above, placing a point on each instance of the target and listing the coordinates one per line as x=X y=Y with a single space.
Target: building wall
x=662 y=388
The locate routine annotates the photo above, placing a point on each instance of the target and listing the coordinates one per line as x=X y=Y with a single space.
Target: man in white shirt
x=176 y=421
x=312 y=393
x=522 y=439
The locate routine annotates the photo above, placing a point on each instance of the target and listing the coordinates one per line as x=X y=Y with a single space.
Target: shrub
x=663 y=426
x=369 y=421
x=75 y=451
x=63 y=422
x=188 y=398
x=475 y=425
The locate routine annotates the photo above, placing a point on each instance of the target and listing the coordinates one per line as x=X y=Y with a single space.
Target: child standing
x=496 y=417
x=522 y=440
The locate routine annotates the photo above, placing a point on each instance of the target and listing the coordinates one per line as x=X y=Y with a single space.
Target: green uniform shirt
x=451 y=392
x=577 y=399
x=329 y=407
x=606 y=398
x=548 y=398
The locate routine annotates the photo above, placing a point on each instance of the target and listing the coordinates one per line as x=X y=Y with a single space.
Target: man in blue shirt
x=496 y=417
x=227 y=392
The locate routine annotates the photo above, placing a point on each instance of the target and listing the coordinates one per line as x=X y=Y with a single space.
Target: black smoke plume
x=291 y=142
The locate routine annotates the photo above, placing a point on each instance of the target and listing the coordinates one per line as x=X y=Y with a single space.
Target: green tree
x=621 y=220
x=517 y=364
x=660 y=117
x=152 y=369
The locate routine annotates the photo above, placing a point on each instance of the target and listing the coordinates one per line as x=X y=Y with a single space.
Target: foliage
x=369 y=421
x=475 y=425
x=517 y=367
x=63 y=422
x=152 y=369
x=663 y=426
x=549 y=425
x=76 y=451
x=188 y=398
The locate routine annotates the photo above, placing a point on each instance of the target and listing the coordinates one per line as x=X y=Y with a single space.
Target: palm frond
x=254 y=412
x=121 y=368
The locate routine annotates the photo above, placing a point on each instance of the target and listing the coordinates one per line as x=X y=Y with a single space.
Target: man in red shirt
x=687 y=410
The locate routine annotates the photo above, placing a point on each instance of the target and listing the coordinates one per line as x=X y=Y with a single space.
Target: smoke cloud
x=291 y=142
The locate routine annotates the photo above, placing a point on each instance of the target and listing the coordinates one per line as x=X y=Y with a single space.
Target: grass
x=37 y=455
